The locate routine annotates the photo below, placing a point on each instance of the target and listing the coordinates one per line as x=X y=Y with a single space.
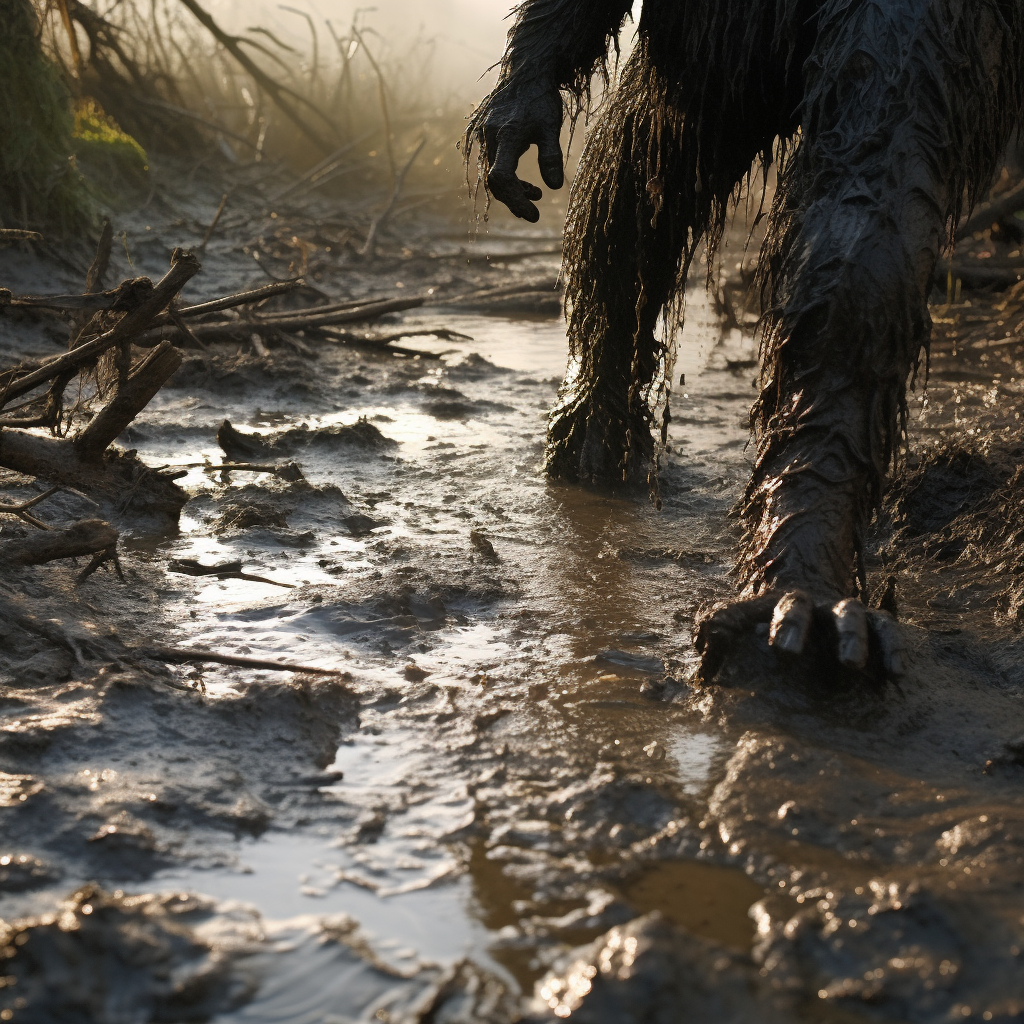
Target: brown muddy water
x=516 y=805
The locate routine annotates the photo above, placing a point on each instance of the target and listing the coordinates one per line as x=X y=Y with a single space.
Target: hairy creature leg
x=889 y=119
x=623 y=272
x=677 y=139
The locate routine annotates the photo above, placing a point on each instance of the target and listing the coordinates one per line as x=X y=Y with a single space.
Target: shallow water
x=543 y=649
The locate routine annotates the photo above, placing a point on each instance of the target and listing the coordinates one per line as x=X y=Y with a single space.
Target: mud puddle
x=514 y=801
x=484 y=616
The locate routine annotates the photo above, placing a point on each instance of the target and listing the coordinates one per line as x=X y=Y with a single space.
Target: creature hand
x=858 y=638
x=516 y=118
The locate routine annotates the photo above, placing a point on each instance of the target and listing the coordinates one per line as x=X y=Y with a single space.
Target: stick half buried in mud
x=187 y=655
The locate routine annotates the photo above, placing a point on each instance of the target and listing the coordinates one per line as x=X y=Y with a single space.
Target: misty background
x=467 y=36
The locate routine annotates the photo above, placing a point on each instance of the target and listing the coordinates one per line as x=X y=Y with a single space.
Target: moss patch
x=40 y=185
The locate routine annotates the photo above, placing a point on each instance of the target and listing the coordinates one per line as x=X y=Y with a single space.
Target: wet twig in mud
x=21 y=510
x=179 y=321
x=137 y=391
x=185 y=656
x=213 y=224
x=85 y=538
x=382 y=219
x=246 y=298
x=484 y=294
x=224 y=571
x=101 y=558
x=21 y=380
x=383 y=343
x=279 y=94
x=298 y=320
x=289 y=471
x=19 y=235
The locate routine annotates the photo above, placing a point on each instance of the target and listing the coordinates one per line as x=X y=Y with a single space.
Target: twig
x=213 y=224
x=138 y=390
x=101 y=261
x=298 y=320
x=179 y=322
x=375 y=227
x=226 y=571
x=362 y=341
x=382 y=91
x=242 y=298
x=273 y=89
x=180 y=655
x=19 y=235
x=31 y=503
x=17 y=382
x=101 y=558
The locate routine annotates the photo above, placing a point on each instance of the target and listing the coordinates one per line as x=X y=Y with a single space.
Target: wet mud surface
x=515 y=804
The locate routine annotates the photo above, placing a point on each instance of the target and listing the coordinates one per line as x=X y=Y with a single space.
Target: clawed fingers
x=505 y=185
x=791 y=623
x=854 y=636
x=891 y=646
x=851 y=621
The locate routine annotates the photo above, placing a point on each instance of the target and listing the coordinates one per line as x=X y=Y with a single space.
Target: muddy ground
x=515 y=804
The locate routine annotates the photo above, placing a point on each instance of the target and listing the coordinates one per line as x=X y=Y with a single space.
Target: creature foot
x=846 y=634
x=589 y=445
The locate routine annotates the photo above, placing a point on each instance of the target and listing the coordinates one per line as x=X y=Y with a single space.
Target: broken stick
x=182 y=655
x=17 y=382
x=141 y=386
x=85 y=538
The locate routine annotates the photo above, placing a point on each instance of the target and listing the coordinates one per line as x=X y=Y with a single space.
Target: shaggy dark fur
x=885 y=118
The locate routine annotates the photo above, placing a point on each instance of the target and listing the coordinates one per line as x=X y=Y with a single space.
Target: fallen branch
x=134 y=394
x=377 y=344
x=266 y=291
x=224 y=571
x=303 y=319
x=382 y=219
x=124 y=297
x=20 y=380
x=185 y=656
x=213 y=224
x=118 y=477
x=273 y=89
x=21 y=510
x=19 y=235
x=85 y=538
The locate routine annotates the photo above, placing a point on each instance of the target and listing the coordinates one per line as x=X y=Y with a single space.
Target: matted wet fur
x=885 y=119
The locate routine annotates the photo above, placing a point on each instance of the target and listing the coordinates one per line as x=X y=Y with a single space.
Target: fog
x=468 y=35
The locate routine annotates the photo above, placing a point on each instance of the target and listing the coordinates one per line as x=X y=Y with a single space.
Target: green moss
x=107 y=153
x=40 y=185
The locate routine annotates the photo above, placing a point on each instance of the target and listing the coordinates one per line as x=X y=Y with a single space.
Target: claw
x=791 y=623
x=852 y=625
x=890 y=642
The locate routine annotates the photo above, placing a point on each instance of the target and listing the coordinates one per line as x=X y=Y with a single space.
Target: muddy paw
x=846 y=633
